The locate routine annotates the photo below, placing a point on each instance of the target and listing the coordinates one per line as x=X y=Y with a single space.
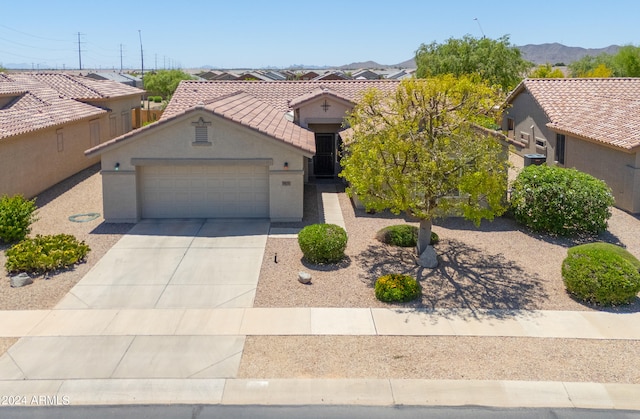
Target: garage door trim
x=200 y=162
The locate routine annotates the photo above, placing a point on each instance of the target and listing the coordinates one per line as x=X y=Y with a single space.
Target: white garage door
x=204 y=191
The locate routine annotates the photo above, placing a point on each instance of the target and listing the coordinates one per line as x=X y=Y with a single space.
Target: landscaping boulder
x=20 y=280
x=304 y=277
x=428 y=258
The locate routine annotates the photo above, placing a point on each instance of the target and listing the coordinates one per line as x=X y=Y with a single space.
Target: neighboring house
x=48 y=120
x=309 y=75
x=229 y=149
x=123 y=78
x=332 y=75
x=401 y=74
x=365 y=75
x=591 y=124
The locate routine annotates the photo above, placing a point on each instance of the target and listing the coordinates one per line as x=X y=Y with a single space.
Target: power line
x=33 y=36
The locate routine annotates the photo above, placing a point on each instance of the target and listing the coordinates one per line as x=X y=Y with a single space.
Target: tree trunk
x=424 y=235
x=427 y=257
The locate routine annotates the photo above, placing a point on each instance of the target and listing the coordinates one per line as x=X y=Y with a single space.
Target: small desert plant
x=323 y=243
x=561 y=201
x=402 y=235
x=601 y=273
x=397 y=288
x=45 y=254
x=16 y=216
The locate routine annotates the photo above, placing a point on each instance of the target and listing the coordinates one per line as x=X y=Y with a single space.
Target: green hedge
x=561 y=201
x=16 y=216
x=323 y=243
x=601 y=273
x=402 y=235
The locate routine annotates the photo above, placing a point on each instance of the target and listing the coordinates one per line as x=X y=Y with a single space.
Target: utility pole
x=79 y=53
x=141 y=56
x=121 y=58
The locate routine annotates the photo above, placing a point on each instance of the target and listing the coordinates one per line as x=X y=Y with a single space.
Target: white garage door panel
x=204 y=191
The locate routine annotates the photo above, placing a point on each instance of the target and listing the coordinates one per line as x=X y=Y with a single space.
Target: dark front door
x=324 y=160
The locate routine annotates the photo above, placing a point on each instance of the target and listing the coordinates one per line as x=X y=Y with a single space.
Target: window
x=94 y=127
x=60 y=140
x=511 y=126
x=560 y=148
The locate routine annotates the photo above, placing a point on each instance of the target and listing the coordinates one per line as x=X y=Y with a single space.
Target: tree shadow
x=509 y=224
x=467 y=278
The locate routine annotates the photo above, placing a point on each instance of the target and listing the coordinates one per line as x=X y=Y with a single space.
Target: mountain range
x=554 y=53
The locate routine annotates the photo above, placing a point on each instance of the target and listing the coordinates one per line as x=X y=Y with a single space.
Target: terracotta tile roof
x=76 y=87
x=318 y=92
x=605 y=110
x=253 y=113
x=243 y=109
x=44 y=100
x=277 y=94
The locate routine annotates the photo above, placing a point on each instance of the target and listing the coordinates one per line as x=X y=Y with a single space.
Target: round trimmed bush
x=402 y=235
x=601 y=273
x=397 y=288
x=561 y=201
x=323 y=243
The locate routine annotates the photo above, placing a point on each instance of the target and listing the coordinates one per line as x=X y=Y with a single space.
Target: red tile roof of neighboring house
x=605 y=110
x=43 y=100
x=278 y=94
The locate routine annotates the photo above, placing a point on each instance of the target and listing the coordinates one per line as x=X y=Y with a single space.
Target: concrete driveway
x=178 y=264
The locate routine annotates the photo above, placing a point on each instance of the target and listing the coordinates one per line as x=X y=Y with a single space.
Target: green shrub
x=16 y=216
x=402 y=235
x=323 y=243
x=601 y=273
x=397 y=288
x=45 y=254
x=561 y=201
x=157 y=99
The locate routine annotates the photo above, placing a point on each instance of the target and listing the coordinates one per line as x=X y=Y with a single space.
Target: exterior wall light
x=286 y=165
x=116 y=167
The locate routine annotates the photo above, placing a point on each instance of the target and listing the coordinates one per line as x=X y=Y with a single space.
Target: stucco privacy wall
x=172 y=142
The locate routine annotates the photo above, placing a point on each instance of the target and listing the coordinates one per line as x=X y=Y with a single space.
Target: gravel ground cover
x=79 y=194
x=498 y=265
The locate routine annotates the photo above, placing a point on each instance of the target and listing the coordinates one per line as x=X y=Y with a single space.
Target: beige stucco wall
x=174 y=140
x=32 y=162
x=615 y=167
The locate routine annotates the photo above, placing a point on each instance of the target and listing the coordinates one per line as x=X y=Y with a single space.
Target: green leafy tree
x=164 y=82
x=626 y=63
x=496 y=61
x=589 y=66
x=545 y=71
x=600 y=71
x=419 y=151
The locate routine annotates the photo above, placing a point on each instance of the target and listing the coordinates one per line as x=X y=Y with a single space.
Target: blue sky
x=253 y=34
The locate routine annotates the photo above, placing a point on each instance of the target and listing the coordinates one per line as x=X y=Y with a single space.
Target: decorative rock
x=304 y=277
x=428 y=258
x=21 y=280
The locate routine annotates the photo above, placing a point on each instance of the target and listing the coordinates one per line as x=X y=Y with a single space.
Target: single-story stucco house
x=229 y=149
x=591 y=124
x=48 y=120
